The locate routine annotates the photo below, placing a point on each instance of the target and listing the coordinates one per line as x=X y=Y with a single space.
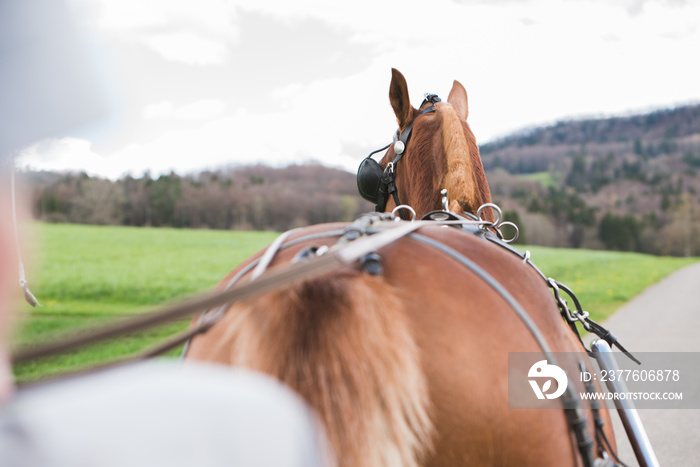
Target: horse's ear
x=398 y=96
x=458 y=100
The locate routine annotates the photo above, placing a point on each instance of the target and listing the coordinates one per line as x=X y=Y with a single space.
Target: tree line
x=642 y=213
x=252 y=197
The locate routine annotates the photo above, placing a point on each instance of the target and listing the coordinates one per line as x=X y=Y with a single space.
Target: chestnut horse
x=409 y=365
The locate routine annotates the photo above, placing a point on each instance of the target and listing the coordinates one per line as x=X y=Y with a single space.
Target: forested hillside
x=626 y=183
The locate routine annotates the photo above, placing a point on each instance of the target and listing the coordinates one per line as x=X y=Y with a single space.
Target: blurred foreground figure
x=160 y=415
x=148 y=414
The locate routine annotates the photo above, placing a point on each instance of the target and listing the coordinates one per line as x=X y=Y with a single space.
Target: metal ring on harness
x=497 y=213
x=406 y=207
x=516 y=234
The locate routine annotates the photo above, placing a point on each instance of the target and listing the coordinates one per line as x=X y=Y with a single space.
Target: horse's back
x=445 y=331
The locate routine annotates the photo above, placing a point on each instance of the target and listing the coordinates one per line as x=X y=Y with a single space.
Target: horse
x=407 y=363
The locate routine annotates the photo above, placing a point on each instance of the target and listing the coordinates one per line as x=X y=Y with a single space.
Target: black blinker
x=369 y=180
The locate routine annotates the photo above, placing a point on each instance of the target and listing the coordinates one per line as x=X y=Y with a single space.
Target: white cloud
x=73 y=154
x=561 y=62
x=201 y=110
x=204 y=109
x=215 y=16
x=197 y=33
x=187 y=47
x=238 y=138
x=158 y=110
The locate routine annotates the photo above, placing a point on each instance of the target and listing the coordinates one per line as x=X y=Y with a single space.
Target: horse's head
x=439 y=152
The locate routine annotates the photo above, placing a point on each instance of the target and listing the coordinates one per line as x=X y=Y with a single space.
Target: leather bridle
x=376 y=184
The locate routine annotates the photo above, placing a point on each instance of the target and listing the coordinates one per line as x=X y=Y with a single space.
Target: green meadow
x=87 y=275
x=546 y=179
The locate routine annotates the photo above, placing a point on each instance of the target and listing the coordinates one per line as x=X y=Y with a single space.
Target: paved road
x=664 y=318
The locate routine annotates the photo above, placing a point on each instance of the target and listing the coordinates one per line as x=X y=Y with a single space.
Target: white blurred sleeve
x=162 y=414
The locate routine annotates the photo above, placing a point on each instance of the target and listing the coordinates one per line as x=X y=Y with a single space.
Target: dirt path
x=664 y=318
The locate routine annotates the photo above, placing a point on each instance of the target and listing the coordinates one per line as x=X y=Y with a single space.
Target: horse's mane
x=420 y=177
x=479 y=173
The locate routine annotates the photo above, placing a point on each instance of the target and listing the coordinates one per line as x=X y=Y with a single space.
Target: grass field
x=546 y=179
x=92 y=274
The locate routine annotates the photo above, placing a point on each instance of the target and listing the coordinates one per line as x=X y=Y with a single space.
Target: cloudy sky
x=206 y=83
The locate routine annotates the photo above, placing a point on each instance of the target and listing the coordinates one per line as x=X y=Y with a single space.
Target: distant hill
x=624 y=182
x=667 y=123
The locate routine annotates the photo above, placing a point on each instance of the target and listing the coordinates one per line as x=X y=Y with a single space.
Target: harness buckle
x=570 y=315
